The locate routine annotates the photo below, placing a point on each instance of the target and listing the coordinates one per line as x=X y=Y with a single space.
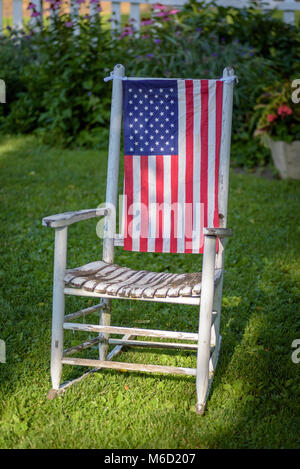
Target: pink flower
x=68 y=24
x=159 y=6
x=271 y=117
x=173 y=12
x=146 y=22
x=161 y=14
x=31 y=6
x=284 y=110
x=127 y=31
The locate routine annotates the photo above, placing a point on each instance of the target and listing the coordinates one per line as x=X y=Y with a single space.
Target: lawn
x=254 y=400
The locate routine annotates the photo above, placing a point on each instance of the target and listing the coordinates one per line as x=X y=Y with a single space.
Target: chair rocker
x=189 y=170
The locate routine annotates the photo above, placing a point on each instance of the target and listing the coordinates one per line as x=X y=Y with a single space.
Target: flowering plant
x=277 y=115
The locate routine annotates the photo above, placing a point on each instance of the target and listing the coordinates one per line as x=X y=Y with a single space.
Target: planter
x=286 y=157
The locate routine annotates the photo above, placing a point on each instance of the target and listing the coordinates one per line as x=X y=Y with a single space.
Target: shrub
x=61 y=93
x=65 y=95
x=14 y=54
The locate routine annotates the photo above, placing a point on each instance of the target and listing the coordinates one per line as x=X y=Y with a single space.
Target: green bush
x=61 y=95
x=64 y=97
x=14 y=54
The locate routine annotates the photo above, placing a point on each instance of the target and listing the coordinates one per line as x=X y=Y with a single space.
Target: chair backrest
x=177 y=148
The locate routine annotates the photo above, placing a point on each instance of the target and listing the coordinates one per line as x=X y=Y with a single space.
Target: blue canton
x=150 y=117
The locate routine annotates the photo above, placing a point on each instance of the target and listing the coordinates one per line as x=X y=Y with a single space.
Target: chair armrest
x=218 y=232
x=64 y=219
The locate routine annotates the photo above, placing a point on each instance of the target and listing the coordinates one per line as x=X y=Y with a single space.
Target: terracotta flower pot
x=286 y=158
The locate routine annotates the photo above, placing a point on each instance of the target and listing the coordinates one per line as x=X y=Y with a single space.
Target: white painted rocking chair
x=194 y=161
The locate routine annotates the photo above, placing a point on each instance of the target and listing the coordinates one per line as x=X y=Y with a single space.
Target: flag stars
x=152 y=123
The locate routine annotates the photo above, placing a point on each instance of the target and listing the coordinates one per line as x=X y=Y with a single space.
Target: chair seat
x=111 y=279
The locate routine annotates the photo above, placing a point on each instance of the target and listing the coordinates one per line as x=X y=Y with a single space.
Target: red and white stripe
x=169 y=199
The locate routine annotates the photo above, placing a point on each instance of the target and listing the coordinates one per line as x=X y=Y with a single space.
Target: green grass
x=254 y=401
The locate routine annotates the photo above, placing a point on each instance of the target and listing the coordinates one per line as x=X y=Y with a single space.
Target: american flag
x=172 y=136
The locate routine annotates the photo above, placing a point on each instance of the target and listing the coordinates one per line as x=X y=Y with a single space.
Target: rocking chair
x=177 y=149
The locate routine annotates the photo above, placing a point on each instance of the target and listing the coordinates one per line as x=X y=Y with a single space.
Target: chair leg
x=58 y=311
x=205 y=321
x=104 y=321
x=216 y=326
